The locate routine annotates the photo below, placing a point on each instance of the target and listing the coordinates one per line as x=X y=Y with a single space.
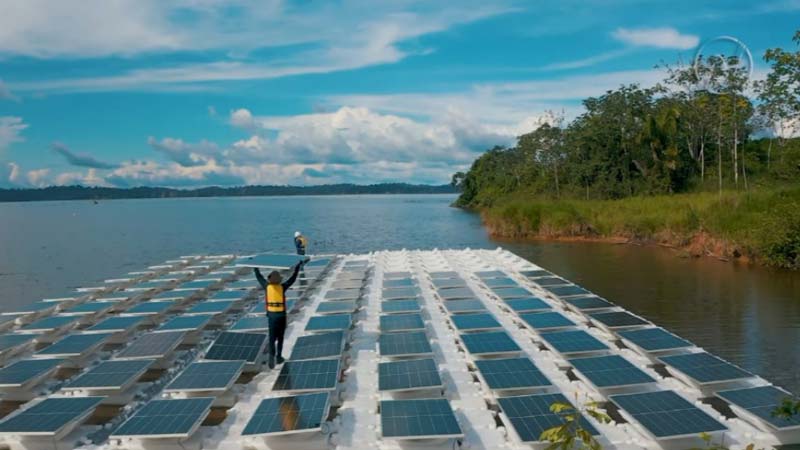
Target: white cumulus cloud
x=664 y=37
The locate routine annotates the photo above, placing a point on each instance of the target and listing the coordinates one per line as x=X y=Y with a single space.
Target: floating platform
x=435 y=349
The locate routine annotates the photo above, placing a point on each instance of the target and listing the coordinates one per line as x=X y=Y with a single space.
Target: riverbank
x=762 y=226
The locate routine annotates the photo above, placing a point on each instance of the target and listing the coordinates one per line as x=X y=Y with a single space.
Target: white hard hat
x=296 y=234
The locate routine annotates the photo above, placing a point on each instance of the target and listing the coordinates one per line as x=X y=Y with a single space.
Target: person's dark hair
x=274 y=277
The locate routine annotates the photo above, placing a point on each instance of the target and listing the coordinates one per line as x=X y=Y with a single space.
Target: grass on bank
x=763 y=224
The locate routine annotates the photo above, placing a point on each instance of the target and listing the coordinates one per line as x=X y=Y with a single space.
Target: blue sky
x=208 y=92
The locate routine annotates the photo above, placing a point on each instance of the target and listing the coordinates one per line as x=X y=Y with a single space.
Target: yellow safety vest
x=274 y=298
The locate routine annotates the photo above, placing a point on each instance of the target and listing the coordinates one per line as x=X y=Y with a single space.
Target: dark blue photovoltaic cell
x=445 y=283
x=153 y=345
x=404 y=344
x=527 y=304
x=666 y=414
x=403 y=292
x=197 y=284
x=228 y=295
x=610 y=371
x=336 y=307
x=568 y=290
x=550 y=281
x=589 y=302
x=50 y=415
x=284 y=414
x=150 y=308
x=485 y=274
x=545 y=320
x=705 y=368
x=530 y=415
x=456 y=293
x=23 y=371
x=170 y=295
x=231 y=346
x=396 y=275
x=89 y=308
x=535 y=273
x=400 y=306
x=343 y=294
x=443 y=275
x=174 y=417
x=219 y=307
x=322 y=345
x=330 y=322
x=511 y=373
x=465 y=306
x=111 y=374
x=399 y=282
x=253 y=323
x=573 y=341
x=117 y=323
x=616 y=319
x=489 y=342
x=401 y=322
x=514 y=292
x=408 y=374
x=654 y=339
x=315 y=374
x=186 y=323
x=761 y=402
x=207 y=375
x=418 y=418
x=8 y=341
x=465 y=322
x=75 y=344
x=50 y=323
x=500 y=282
x=35 y=307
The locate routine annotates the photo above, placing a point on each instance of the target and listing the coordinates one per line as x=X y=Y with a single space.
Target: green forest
x=703 y=161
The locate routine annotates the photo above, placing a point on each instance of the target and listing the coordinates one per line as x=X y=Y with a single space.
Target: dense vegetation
x=702 y=155
x=102 y=193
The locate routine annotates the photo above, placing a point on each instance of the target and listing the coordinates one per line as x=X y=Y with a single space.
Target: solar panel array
x=530 y=415
x=610 y=371
x=287 y=414
x=511 y=373
x=666 y=414
x=408 y=374
x=230 y=346
x=705 y=368
x=49 y=416
x=162 y=418
x=111 y=374
x=307 y=375
x=207 y=375
x=418 y=419
x=761 y=403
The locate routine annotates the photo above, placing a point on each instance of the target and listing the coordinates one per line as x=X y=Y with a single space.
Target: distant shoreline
x=69 y=193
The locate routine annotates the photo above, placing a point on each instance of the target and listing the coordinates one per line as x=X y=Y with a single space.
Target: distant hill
x=104 y=193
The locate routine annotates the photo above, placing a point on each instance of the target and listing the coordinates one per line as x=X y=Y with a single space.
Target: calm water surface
x=749 y=316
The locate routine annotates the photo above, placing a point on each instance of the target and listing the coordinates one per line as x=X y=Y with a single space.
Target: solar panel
x=474 y=322
x=166 y=418
x=494 y=342
x=115 y=324
x=573 y=341
x=336 y=307
x=589 y=303
x=400 y=282
x=485 y=274
x=111 y=375
x=219 y=307
x=74 y=345
x=514 y=292
x=88 y=308
x=270 y=261
x=455 y=293
x=150 y=285
x=500 y=282
x=242 y=284
x=153 y=345
x=170 y=295
x=446 y=283
x=186 y=323
x=665 y=414
x=307 y=375
x=207 y=376
x=228 y=295
x=343 y=294
x=32 y=308
x=550 y=281
x=256 y=323
x=50 y=323
x=535 y=273
x=22 y=372
x=654 y=339
x=761 y=402
x=148 y=308
x=396 y=275
x=414 y=419
x=618 y=319
x=231 y=346
x=469 y=305
x=401 y=322
x=546 y=320
x=705 y=368
x=521 y=305
x=404 y=344
x=568 y=291
x=347 y=284
x=400 y=306
x=406 y=292
x=287 y=414
x=9 y=341
x=49 y=416
x=511 y=373
x=330 y=322
x=610 y=371
x=408 y=374
x=196 y=285
x=315 y=346
x=442 y=275
x=530 y=415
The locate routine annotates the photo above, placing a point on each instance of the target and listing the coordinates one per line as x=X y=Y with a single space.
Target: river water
x=749 y=316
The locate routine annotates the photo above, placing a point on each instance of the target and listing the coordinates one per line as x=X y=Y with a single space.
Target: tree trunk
x=719 y=156
x=769 y=154
x=735 y=159
x=703 y=160
x=555 y=169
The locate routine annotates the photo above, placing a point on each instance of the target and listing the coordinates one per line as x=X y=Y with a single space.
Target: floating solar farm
x=391 y=350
